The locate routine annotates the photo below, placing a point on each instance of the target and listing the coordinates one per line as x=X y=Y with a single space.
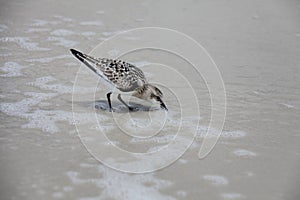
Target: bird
x=126 y=77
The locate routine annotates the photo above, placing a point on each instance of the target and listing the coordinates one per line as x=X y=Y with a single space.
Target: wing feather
x=123 y=75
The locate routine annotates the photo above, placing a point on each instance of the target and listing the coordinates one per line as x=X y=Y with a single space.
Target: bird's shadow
x=117 y=107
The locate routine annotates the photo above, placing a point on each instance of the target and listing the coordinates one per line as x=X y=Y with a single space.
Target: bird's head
x=150 y=93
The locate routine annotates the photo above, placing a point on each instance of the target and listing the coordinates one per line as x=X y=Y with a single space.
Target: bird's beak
x=87 y=60
x=162 y=105
x=78 y=55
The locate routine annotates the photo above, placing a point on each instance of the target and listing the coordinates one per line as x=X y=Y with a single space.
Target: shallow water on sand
x=256 y=49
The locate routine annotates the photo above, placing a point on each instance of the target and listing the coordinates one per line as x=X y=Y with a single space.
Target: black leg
x=109 y=102
x=123 y=102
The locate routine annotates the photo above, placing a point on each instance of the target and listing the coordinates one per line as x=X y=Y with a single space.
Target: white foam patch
x=117 y=185
x=49 y=59
x=88 y=33
x=24 y=42
x=39 y=22
x=232 y=196
x=21 y=107
x=233 y=134
x=36 y=30
x=287 y=105
x=161 y=140
x=68 y=188
x=12 y=69
x=256 y=92
x=63 y=18
x=182 y=161
x=43 y=83
x=58 y=195
x=181 y=193
x=216 y=179
x=5 y=54
x=91 y=23
x=155 y=148
x=108 y=34
x=43 y=119
x=202 y=133
x=3 y=27
x=46 y=120
x=5 y=51
x=62 y=32
x=100 y=12
x=165 y=139
x=60 y=41
x=255 y=16
x=244 y=153
x=250 y=174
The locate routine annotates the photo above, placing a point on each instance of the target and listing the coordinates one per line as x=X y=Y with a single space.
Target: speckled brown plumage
x=124 y=76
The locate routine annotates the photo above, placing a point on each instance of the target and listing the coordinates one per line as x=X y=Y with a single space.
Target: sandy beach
x=48 y=99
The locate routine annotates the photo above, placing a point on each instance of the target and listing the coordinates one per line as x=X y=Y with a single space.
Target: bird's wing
x=124 y=76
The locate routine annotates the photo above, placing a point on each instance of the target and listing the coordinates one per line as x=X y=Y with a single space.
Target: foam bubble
x=216 y=179
x=126 y=186
x=3 y=27
x=12 y=69
x=23 y=106
x=68 y=188
x=48 y=59
x=164 y=139
x=244 y=153
x=287 y=105
x=44 y=119
x=108 y=34
x=202 y=133
x=62 y=32
x=233 y=134
x=36 y=30
x=39 y=22
x=181 y=193
x=100 y=12
x=24 y=42
x=182 y=161
x=58 y=195
x=91 y=23
x=63 y=18
x=43 y=83
x=60 y=41
x=232 y=196
x=88 y=33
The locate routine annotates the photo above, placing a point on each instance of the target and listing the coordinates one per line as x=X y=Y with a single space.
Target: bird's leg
x=123 y=102
x=109 y=102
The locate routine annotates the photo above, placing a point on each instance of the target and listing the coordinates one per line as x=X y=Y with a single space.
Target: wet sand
x=256 y=46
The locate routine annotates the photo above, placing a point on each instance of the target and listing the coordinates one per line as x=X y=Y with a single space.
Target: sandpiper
x=126 y=77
